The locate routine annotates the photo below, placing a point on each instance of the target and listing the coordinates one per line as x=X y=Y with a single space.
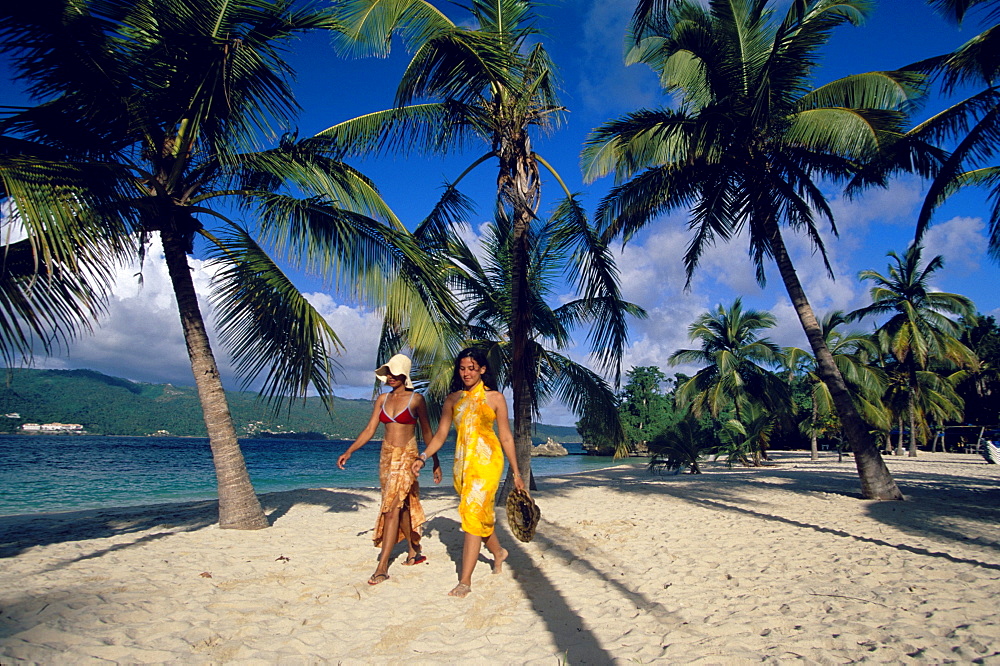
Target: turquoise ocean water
x=42 y=474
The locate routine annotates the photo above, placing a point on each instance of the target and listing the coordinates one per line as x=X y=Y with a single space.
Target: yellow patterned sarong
x=399 y=490
x=478 y=461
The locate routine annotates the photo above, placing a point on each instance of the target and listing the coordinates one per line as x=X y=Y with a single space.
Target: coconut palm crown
x=186 y=106
x=746 y=146
x=918 y=331
x=492 y=88
x=736 y=363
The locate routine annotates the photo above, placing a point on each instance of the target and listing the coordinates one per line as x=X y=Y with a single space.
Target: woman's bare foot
x=460 y=590
x=498 y=560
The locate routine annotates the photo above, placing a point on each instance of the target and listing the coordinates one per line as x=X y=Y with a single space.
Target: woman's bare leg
x=390 y=529
x=470 y=555
x=412 y=540
x=499 y=552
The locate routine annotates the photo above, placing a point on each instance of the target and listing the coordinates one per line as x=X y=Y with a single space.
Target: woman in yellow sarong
x=474 y=405
x=401 y=514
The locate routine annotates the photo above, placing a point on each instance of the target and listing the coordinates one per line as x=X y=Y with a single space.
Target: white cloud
x=140 y=338
x=359 y=332
x=11 y=229
x=896 y=204
x=653 y=277
x=961 y=241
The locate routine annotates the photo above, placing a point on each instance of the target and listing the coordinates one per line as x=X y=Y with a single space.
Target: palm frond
x=296 y=165
x=367 y=26
x=428 y=128
x=464 y=65
x=269 y=328
x=597 y=280
x=585 y=392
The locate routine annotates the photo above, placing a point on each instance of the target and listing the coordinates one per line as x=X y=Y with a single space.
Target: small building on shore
x=52 y=427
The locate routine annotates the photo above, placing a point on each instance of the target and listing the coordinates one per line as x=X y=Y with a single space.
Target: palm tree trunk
x=518 y=187
x=239 y=507
x=899 y=437
x=813 y=447
x=876 y=481
x=521 y=366
x=912 y=397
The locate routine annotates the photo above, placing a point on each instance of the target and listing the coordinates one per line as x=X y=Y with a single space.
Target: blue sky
x=585 y=38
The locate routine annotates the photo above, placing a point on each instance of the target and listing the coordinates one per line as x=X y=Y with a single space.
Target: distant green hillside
x=106 y=405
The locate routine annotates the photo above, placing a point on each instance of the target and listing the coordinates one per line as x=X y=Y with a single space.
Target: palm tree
x=734 y=356
x=918 y=330
x=853 y=353
x=974 y=122
x=494 y=85
x=981 y=389
x=742 y=440
x=747 y=144
x=184 y=104
x=681 y=445
x=484 y=287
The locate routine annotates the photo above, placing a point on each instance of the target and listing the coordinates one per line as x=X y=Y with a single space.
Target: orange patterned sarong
x=478 y=461
x=399 y=489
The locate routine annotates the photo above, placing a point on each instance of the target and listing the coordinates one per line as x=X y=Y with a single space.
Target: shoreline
x=59 y=474
x=774 y=564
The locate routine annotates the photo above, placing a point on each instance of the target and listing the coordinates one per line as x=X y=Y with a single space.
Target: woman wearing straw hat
x=401 y=515
x=475 y=406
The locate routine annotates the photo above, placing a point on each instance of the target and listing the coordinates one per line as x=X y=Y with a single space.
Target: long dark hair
x=479 y=356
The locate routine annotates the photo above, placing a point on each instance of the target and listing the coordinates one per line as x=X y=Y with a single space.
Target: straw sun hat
x=397 y=365
x=522 y=514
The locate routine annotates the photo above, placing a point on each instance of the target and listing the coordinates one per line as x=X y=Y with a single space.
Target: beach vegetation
x=746 y=439
x=482 y=284
x=746 y=145
x=919 y=334
x=683 y=444
x=980 y=390
x=736 y=373
x=855 y=354
x=493 y=85
x=187 y=110
x=647 y=409
x=933 y=404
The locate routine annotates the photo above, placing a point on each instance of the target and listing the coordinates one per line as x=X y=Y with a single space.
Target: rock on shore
x=550 y=448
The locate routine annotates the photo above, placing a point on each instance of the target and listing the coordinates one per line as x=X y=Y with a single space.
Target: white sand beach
x=777 y=564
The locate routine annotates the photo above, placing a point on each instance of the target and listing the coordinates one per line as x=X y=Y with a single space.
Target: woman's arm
x=365 y=435
x=497 y=402
x=425 y=431
x=444 y=425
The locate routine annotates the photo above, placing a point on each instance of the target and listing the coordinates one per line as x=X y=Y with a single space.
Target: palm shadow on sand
x=576 y=643
x=20 y=533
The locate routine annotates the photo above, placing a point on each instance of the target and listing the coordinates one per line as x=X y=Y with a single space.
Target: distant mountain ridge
x=106 y=405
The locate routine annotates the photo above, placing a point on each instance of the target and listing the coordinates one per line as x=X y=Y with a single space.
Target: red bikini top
x=405 y=417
